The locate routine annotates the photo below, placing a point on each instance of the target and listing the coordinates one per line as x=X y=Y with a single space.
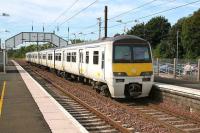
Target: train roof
x=112 y=39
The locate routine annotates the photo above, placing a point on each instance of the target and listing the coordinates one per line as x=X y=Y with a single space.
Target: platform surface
x=28 y=108
x=178 y=82
x=20 y=113
x=178 y=89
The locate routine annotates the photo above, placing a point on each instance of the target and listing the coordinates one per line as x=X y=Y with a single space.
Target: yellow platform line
x=2 y=96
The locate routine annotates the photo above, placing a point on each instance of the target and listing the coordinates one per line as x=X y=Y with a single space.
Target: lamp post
x=75 y=37
x=99 y=21
x=4 y=31
x=81 y=33
x=177 y=43
x=4 y=14
x=120 y=21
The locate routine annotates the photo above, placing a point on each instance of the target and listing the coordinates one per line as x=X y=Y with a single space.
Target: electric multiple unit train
x=120 y=67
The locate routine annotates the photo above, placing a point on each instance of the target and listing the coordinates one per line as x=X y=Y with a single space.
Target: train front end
x=132 y=68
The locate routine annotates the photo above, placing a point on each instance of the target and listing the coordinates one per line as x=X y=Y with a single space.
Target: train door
x=46 y=59
x=103 y=62
x=63 y=59
x=81 y=61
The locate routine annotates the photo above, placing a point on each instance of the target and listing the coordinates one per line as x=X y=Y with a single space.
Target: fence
x=180 y=69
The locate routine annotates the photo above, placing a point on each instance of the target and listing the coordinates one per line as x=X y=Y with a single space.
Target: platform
x=178 y=82
x=184 y=97
x=27 y=108
x=195 y=93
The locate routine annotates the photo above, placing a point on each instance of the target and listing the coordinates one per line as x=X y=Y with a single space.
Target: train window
x=122 y=54
x=96 y=57
x=131 y=53
x=49 y=56
x=81 y=57
x=141 y=53
x=58 y=56
x=103 y=60
x=44 y=56
x=87 y=57
x=73 y=56
x=68 y=57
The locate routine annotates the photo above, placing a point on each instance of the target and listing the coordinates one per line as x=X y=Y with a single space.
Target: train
x=119 y=67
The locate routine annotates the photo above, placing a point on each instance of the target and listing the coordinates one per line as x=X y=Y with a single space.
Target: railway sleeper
x=107 y=131
x=94 y=123
x=81 y=114
x=103 y=127
x=86 y=117
x=83 y=120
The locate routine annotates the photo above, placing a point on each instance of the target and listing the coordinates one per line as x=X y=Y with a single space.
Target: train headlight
x=150 y=73
x=119 y=74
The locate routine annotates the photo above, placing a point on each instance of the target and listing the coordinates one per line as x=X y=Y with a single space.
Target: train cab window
x=68 y=57
x=122 y=54
x=73 y=56
x=131 y=53
x=96 y=57
x=87 y=57
x=141 y=53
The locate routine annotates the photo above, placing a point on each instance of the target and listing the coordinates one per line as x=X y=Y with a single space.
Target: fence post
x=158 y=68
x=175 y=67
x=198 y=75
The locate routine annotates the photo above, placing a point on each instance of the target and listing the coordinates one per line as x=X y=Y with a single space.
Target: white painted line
x=178 y=89
x=63 y=121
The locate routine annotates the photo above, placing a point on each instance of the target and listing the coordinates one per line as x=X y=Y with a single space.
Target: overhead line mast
x=106 y=21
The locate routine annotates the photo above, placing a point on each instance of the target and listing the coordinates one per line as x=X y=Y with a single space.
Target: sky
x=55 y=14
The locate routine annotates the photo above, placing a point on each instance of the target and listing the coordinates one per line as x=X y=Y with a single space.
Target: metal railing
x=180 y=69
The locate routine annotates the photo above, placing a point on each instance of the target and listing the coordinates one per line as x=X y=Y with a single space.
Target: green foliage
x=156 y=30
x=163 y=37
x=168 y=45
x=77 y=41
x=138 y=29
x=191 y=36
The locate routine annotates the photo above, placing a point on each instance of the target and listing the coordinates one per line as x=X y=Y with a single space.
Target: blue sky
x=44 y=12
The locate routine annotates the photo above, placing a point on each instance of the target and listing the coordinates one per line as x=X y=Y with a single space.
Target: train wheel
x=105 y=91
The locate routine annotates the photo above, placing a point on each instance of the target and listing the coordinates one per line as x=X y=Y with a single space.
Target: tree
x=138 y=30
x=77 y=41
x=156 y=30
x=191 y=36
x=170 y=43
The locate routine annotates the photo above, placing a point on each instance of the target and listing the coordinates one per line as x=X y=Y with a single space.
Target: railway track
x=176 y=122
x=94 y=123
x=93 y=120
